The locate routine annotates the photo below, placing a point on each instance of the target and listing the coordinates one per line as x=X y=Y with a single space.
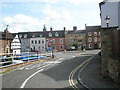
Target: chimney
x=74 y=28
x=85 y=26
x=64 y=28
x=51 y=29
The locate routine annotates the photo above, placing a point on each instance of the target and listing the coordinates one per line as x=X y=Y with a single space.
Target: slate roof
x=76 y=32
x=44 y=34
x=93 y=28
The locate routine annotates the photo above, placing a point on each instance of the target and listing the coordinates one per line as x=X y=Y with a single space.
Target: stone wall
x=110 y=65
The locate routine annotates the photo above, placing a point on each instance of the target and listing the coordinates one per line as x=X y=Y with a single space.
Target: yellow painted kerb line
x=71 y=82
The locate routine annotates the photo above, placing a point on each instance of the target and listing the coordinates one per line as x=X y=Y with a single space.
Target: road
x=60 y=72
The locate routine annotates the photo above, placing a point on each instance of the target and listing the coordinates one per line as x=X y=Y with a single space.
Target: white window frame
x=62 y=47
x=25 y=35
x=90 y=45
x=89 y=39
x=56 y=34
x=95 y=39
x=61 y=41
x=50 y=34
x=89 y=33
x=95 y=33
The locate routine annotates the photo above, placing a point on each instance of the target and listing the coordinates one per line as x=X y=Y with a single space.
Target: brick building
x=93 y=37
x=5 y=42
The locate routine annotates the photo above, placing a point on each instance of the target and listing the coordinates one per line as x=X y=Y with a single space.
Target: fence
x=9 y=59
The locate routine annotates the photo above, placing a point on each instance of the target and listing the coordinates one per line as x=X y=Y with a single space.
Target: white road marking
x=73 y=56
x=24 y=83
x=61 y=59
x=44 y=66
x=21 y=68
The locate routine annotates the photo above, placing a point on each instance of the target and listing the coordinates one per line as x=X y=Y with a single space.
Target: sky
x=31 y=15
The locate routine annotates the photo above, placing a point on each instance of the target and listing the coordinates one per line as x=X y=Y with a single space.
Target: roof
x=3 y=35
x=76 y=32
x=41 y=34
x=93 y=28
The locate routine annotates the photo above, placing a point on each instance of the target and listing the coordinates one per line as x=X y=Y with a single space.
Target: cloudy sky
x=31 y=15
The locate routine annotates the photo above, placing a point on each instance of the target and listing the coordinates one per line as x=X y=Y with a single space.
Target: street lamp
x=107 y=18
x=52 y=48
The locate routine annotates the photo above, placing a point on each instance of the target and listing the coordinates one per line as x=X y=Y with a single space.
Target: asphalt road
x=48 y=74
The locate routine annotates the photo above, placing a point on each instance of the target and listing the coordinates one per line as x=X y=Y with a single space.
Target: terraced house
x=75 y=39
x=42 y=41
x=93 y=37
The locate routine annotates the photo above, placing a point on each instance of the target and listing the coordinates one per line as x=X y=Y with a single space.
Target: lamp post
x=107 y=18
x=6 y=32
x=52 y=48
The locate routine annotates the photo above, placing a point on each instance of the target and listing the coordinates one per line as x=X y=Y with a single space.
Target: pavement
x=91 y=76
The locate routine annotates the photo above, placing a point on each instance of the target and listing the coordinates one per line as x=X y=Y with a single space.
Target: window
x=79 y=40
x=89 y=34
x=32 y=41
x=61 y=41
x=42 y=41
x=20 y=35
x=40 y=35
x=89 y=39
x=50 y=34
x=90 y=45
x=39 y=41
x=95 y=33
x=33 y=36
x=35 y=42
x=95 y=39
x=53 y=41
x=42 y=47
x=34 y=48
x=61 y=47
x=56 y=34
x=25 y=35
x=71 y=40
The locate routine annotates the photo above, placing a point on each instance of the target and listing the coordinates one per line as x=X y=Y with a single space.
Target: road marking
x=44 y=66
x=24 y=83
x=61 y=59
x=71 y=82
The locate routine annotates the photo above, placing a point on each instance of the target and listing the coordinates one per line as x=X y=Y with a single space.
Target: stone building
x=75 y=38
x=110 y=34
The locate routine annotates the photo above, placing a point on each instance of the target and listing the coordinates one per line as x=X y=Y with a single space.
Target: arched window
x=25 y=35
x=56 y=34
x=50 y=34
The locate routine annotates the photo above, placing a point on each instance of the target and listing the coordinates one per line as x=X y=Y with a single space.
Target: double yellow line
x=71 y=82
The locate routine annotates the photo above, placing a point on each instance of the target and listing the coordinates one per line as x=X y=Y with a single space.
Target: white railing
x=4 y=60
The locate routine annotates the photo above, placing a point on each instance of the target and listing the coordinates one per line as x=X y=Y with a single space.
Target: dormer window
x=25 y=35
x=20 y=35
x=50 y=34
x=56 y=34
x=33 y=36
x=40 y=35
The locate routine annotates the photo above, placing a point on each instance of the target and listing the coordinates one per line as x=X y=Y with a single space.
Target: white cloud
x=21 y=23
x=84 y=1
x=53 y=15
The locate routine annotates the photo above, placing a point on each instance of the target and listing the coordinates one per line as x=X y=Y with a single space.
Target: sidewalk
x=91 y=76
